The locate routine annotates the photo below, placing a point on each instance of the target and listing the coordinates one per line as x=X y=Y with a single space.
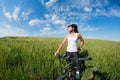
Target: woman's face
x=70 y=29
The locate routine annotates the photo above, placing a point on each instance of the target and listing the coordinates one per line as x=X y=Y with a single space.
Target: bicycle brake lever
x=58 y=56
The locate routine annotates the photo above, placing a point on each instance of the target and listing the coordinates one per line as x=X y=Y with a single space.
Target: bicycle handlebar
x=68 y=57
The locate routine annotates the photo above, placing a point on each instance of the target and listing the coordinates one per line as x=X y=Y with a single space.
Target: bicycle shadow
x=94 y=74
x=83 y=54
x=98 y=75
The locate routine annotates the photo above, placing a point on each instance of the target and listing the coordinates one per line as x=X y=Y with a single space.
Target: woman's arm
x=82 y=41
x=60 y=46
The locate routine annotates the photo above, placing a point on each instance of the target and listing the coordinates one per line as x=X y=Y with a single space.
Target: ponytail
x=75 y=28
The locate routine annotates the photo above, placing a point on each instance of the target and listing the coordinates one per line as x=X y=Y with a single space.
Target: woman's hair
x=75 y=27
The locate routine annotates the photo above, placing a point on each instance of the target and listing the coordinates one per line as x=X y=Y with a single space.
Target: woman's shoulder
x=78 y=35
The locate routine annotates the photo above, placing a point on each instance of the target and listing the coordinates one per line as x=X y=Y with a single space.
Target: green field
x=31 y=58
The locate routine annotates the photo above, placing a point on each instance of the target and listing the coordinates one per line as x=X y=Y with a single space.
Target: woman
x=72 y=47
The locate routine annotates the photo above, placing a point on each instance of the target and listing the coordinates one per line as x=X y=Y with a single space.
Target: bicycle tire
x=63 y=77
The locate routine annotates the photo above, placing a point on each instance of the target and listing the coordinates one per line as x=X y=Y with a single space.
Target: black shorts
x=75 y=56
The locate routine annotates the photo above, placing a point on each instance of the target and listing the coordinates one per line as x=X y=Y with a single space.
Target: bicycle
x=69 y=72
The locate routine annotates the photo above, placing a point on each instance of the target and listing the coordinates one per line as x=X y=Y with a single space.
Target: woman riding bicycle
x=72 y=47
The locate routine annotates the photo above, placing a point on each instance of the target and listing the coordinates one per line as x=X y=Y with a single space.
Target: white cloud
x=74 y=9
x=8 y=15
x=87 y=9
x=88 y=28
x=8 y=30
x=42 y=2
x=35 y=22
x=66 y=10
x=101 y=12
x=54 y=17
x=50 y=2
x=97 y=10
x=46 y=16
x=16 y=13
x=47 y=26
x=49 y=31
x=25 y=14
x=84 y=3
x=115 y=12
x=110 y=12
x=57 y=20
x=80 y=4
x=45 y=29
x=12 y=15
x=49 y=19
x=85 y=27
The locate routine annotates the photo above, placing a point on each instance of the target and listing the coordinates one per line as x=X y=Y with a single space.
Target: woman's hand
x=56 y=53
x=79 y=49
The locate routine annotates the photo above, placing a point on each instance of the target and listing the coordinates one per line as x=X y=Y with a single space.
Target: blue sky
x=96 y=19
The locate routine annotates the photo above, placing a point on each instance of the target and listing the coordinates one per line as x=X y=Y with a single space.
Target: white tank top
x=72 y=43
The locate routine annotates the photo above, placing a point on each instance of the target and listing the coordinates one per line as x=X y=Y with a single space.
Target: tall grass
x=32 y=58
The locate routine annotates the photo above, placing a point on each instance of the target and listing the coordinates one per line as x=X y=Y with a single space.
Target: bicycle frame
x=69 y=71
